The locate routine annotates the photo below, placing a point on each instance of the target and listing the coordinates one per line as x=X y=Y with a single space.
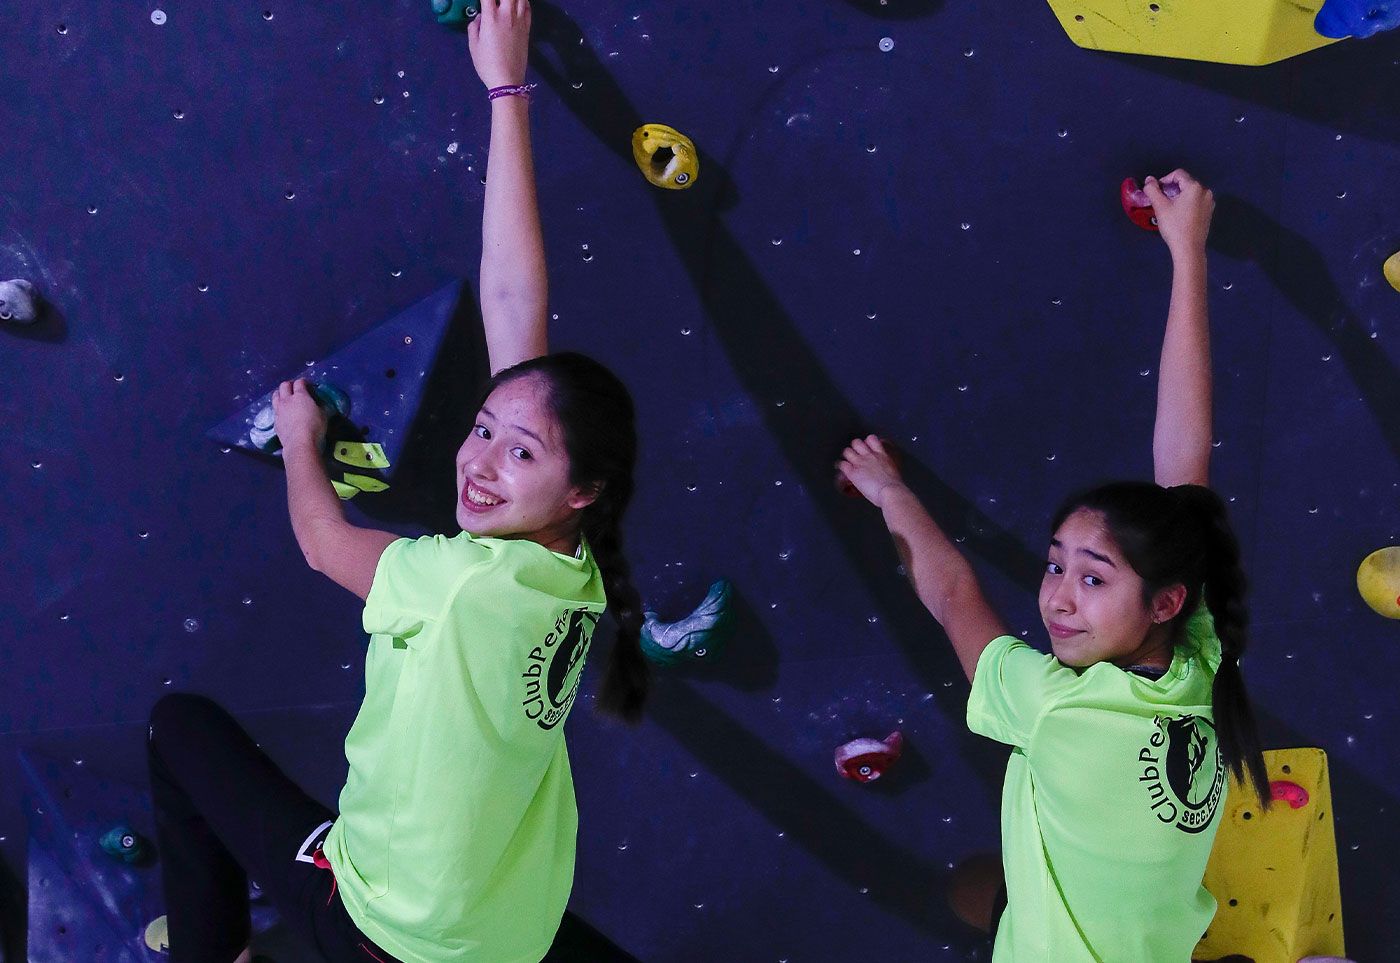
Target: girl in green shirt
x=1122 y=738
x=457 y=826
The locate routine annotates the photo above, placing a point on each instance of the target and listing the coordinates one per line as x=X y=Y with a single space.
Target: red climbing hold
x=866 y=760
x=1136 y=204
x=1290 y=792
x=843 y=484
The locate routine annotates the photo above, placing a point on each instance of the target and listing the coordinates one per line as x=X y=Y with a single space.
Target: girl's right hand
x=499 y=40
x=867 y=465
x=1183 y=220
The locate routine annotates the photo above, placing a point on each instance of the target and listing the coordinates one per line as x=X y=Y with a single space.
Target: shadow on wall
x=13 y=912
x=1348 y=87
x=1300 y=274
x=424 y=490
x=749 y=318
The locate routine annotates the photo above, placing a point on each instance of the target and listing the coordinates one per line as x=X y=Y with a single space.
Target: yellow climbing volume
x=1223 y=31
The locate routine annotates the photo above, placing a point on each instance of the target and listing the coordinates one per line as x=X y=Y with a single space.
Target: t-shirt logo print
x=554 y=667
x=1183 y=772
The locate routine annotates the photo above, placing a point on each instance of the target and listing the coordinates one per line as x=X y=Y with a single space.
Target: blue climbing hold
x=1357 y=18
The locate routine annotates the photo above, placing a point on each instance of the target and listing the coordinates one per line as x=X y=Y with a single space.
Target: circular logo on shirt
x=1183 y=772
x=554 y=667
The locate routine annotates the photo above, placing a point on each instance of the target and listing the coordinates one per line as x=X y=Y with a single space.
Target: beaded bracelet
x=511 y=90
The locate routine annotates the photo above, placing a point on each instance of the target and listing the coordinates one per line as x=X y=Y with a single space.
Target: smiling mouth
x=474 y=497
x=1060 y=631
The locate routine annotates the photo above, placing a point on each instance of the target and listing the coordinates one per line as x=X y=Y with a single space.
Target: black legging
x=224 y=811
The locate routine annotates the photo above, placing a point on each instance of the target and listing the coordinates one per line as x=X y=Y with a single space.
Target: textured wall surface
x=906 y=220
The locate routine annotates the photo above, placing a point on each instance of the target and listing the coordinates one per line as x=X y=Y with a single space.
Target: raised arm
x=345 y=553
x=942 y=578
x=514 y=288
x=1181 y=437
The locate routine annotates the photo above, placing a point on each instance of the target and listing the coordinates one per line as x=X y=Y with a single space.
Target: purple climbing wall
x=906 y=221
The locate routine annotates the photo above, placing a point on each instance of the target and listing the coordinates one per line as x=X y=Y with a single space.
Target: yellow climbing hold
x=365 y=483
x=1274 y=873
x=361 y=454
x=666 y=157
x=1238 y=32
x=1392 y=270
x=1378 y=581
x=346 y=492
x=158 y=935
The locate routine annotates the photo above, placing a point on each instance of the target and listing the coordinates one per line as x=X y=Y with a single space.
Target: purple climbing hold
x=18 y=302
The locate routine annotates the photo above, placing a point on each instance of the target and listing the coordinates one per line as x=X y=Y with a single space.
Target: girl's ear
x=1167 y=603
x=583 y=496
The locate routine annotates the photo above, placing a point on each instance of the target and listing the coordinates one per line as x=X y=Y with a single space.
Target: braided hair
x=598 y=424
x=1182 y=536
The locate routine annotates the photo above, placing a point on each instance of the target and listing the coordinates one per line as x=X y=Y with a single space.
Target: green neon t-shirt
x=1111 y=802
x=458 y=823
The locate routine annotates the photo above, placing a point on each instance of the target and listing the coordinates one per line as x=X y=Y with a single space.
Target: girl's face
x=1091 y=600
x=513 y=471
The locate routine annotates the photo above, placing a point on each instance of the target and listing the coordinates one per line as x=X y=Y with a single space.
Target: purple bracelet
x=510 y=90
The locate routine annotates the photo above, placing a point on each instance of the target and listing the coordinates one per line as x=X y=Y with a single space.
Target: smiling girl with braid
x=1123 y=737
x=457 y=827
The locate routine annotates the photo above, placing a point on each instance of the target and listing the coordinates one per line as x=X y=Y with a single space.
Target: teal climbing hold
x=126 y=844
x=455 y=11
x=701 y=635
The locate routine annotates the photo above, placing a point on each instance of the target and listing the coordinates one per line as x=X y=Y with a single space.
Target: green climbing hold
x=346 y=492
x=361 y=454
x=365 y=483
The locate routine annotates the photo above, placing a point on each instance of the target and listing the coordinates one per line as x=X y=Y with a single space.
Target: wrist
x=1188 y=254
x=300 y=448
x=890 y=494
x=511 y=92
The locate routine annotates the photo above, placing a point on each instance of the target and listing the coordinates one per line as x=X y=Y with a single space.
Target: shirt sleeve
x=1012 y=686
x=414 y=581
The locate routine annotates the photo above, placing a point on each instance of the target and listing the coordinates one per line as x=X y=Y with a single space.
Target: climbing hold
x=361 y=454
x=455 y=11
x=346 y=492
x=1378 y=581
x=124 y=843
x=1239 y=32
x=1138 y=207
x=1281 y=790
x=263 y=432
x=158 y=935
x=666 y=157
x=866 y=760
x=700 y=635
x=365 y=483
x=1273 y=872
x=1391 y=268
x=1356 y=18
x=18 y=302
x=843 y=484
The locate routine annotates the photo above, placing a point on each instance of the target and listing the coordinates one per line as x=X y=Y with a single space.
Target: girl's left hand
x=499 y=40
x=300 y=420
x=868 y=466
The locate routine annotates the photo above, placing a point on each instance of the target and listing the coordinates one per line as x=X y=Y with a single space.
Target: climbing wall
x=906 y=219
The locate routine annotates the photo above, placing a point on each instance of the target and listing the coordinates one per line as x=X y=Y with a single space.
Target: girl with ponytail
x=1122 y=737
x=457 y=825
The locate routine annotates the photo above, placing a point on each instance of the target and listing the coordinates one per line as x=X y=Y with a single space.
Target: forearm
x=311 y=501
x=933 y=564
x=514 y=286
x=1181 y=440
